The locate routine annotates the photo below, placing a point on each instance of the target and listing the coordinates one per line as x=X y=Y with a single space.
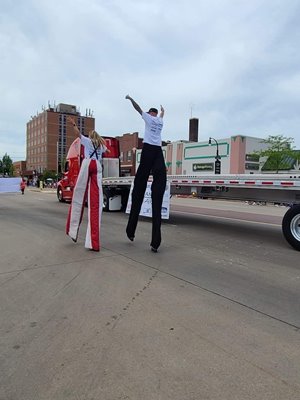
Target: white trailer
x=277 y=188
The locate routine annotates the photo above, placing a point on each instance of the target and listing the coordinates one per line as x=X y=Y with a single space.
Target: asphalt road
x=213 y=315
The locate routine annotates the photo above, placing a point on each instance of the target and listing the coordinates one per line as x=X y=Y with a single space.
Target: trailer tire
x=105 y=201
x=124 y=201
x=60 y=195
x=291 y=226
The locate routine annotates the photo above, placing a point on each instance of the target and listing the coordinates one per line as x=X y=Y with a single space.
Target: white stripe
x=78 y=198
x=88 y=242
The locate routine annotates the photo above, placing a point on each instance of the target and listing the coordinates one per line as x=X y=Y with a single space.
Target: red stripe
x=267 y=183
x=250 y=183
x=287 y=183
x=94 y=205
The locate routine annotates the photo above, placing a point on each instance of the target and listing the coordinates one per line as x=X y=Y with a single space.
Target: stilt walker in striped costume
x=88 y=186
x=152 y=161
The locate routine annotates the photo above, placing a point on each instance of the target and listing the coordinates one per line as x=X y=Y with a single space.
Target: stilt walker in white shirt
x=152 y=161
x=88 y=186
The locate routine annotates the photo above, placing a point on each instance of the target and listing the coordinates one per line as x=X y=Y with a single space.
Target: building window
x=129 y=155
x=252 y=157
x=252 y=166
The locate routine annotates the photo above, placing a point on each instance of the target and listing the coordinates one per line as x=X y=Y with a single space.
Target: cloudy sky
x=234 y=64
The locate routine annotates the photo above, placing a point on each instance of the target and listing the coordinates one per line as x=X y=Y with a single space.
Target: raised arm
x=162 y=111
x=72 y=120
x=135 y=105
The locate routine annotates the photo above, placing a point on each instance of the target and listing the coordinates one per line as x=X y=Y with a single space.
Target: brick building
x=19 y=168
x=49 y=135
x=130 y=146
x=129 y=143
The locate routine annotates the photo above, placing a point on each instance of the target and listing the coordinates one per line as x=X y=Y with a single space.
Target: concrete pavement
x=114 y=325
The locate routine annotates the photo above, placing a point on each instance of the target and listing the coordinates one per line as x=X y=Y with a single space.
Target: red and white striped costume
x=88 y=185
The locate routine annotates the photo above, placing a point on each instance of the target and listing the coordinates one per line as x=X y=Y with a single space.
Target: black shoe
x=131 y=238
x=74 y=240
x=153 y=249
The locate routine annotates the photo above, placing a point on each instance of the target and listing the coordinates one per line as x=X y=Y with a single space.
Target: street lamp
x=218 y=157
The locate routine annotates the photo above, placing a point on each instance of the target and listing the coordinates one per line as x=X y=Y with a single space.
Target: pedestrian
x=88 y=187
x=152 y=162
x=22 y=185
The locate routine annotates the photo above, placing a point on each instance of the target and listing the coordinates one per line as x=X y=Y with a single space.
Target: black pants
x=152 y=160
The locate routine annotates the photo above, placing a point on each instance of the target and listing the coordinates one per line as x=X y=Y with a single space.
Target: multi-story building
x=19 y=168
x=129 y=143
x=49 y=135
x=236 y=154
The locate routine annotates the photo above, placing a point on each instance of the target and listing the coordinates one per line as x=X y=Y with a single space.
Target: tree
x=6 y=165
x=280 y=153
x=49 y=174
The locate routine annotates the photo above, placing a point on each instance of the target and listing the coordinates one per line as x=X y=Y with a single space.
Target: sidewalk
x=44 y=190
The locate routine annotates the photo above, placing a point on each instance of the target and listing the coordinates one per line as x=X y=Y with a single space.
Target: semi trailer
x=269 y=188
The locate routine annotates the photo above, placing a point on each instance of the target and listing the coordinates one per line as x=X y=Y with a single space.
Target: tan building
x=235 y=153
x=49 y=136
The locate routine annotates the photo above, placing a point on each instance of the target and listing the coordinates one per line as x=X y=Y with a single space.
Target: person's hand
x=127 y=97
x=162 y=109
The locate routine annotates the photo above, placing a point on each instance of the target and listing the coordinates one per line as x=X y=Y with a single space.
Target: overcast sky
x=234 y=64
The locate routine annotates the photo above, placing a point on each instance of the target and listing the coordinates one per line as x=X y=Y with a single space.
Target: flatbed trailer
x=269 y=188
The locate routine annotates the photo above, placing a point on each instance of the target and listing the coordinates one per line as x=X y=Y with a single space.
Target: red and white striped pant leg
x=78 y=200
x=95 y=200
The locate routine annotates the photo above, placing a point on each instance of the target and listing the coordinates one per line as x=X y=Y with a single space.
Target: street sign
x=217 y=167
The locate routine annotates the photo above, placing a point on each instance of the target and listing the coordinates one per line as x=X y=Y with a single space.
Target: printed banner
x=146 y=209
x=10 y=185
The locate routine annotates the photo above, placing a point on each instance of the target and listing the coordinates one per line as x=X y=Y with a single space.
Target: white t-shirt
x=89 y=148
x=153 y=128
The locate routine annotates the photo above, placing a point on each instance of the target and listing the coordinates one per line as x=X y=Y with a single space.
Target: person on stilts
x=152 y=162
x=88 y=187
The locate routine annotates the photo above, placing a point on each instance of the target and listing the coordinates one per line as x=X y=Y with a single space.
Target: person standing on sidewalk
x=89 y=183
x=22 y=185
x=152 y=161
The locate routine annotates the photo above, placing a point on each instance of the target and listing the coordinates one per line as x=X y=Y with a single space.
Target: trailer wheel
x=291 y=226
x=124 y=201
x=60 y=195
x=105 y=201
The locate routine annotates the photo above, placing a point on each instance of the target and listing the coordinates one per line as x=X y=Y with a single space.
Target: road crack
x=114 y=319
